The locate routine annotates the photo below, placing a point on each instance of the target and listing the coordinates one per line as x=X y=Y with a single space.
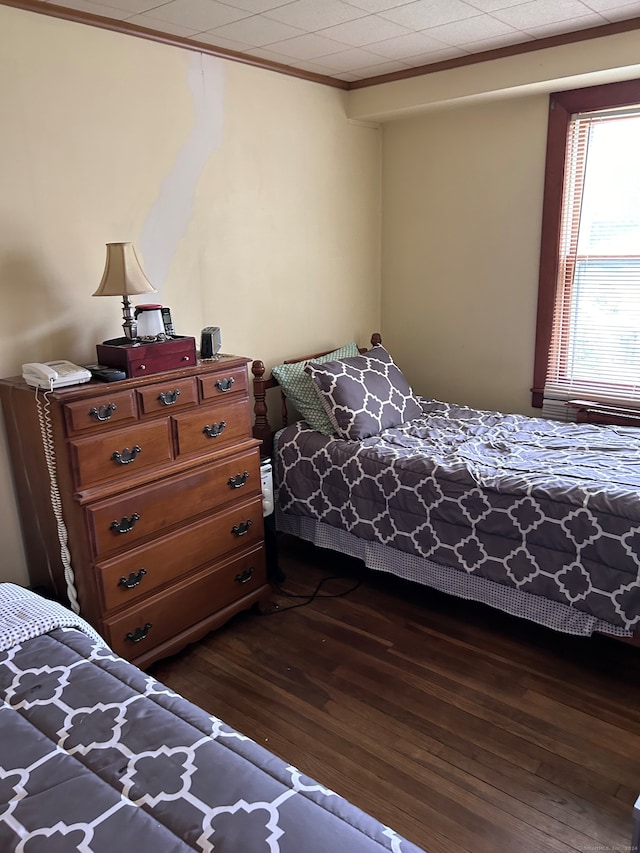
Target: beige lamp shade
x=123 y=274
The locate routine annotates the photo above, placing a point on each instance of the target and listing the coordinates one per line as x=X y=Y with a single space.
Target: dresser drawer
x=102 y=411
x=207 y=429
x=157 y=618
x=116 y=454
x=172 y=395
x=224 y=384
x=121 y=522
x=146 y=568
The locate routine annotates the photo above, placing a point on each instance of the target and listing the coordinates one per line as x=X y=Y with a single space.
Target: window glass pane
x=610 y=216
x=605 y=322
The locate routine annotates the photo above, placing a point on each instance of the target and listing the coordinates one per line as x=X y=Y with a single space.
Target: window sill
x=591 y=412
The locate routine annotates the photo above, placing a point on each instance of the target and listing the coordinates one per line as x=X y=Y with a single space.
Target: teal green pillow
x=301 y=391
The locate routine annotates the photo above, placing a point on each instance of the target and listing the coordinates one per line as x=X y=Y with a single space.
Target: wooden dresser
x=160 y=493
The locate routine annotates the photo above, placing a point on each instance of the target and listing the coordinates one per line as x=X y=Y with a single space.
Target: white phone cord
x=56 y=502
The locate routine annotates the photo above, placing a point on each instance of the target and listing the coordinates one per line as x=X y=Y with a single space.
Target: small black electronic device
x=210 y=342
x=106 y=374
x=168 y=322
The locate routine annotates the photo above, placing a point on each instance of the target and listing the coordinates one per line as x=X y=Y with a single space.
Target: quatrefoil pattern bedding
x=546 y=507
x=96 y=757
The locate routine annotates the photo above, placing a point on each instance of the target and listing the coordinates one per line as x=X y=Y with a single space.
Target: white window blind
x=595 y=349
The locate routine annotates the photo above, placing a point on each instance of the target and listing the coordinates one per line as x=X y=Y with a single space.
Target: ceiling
x=356 y=40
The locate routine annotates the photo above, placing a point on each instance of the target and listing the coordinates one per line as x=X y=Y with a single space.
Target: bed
x=538 y=518
x=97 y=756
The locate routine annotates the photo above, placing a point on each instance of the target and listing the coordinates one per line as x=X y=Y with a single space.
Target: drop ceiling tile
x=493 y=5
x=365 y=30
x=97 y=9
x=315 y=67
x=409 y=45
x=496 y=42
x=539 y=13
x=216 y=40
x=378 y=5
x=311 y=15
x=621 y=13
x=306 y=65
x=382 y=68
x=560 y=27
x=472 y=29
x=257 y=31
x=256 y=6
x=422 y=14
x=198 y=14
x=275 y=56
x=432 y=56
x=151 y=23
x=307 y=47
x=633 y=6
x=349 y=60
x=132 y=7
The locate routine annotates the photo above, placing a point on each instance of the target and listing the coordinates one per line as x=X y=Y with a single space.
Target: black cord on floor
x=311 y=596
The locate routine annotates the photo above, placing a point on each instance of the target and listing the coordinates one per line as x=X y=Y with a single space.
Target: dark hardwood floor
x=462 y=728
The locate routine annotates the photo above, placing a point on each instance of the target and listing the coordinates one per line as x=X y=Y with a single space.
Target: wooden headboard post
x=261 y=427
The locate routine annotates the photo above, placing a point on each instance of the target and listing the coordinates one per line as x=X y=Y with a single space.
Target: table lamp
x=123 y=276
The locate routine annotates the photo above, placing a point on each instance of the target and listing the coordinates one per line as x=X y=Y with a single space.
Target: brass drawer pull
x=169 y=398
x=245 y=577
x=138 y=634
x=127 y=455
x=225 y=384
x=134 y=579
x=103 y=413
x=126 y=525
x=238 y=481
x=241 y=529
x=214 y=430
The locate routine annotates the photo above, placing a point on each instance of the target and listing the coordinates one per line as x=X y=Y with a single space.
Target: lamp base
x=130 y=325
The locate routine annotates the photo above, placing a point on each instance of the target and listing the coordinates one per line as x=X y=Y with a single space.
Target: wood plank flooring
x=465 y=730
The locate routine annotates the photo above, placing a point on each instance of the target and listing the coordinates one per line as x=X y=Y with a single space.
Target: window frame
x=562 y=105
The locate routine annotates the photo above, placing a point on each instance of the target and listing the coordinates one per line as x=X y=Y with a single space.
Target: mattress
x=546 y=508
x=96 y=755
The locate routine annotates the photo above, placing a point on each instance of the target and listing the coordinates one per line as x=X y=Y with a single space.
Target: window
x=588 y=334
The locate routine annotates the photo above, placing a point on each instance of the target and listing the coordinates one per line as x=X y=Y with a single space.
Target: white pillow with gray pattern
x=365 y=394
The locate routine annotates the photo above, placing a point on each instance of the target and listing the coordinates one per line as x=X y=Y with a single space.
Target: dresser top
x=218 y=364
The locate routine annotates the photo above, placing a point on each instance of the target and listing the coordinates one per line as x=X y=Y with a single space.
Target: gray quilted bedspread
x=96 y=756
x=543 y=506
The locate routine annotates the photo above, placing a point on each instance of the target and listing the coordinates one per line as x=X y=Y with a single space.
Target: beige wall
x=462 y=196
x=254 y=202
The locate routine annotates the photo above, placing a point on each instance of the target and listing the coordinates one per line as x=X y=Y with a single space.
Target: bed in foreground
x=537 y=518
x=97 y=756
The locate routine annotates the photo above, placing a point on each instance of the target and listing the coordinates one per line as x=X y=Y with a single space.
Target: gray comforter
x=96 y=756
x=542 y=506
